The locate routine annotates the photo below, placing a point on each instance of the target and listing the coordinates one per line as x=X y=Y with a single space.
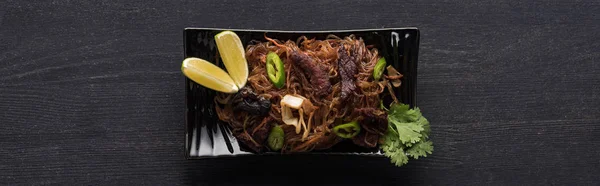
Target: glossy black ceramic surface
x=206 y=136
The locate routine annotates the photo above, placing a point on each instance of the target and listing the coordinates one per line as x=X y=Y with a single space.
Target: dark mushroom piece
x=248 y=101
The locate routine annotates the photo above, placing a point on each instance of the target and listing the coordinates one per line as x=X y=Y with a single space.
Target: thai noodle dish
x=310 y=94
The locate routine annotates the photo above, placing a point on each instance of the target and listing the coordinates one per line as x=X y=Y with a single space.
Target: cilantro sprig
x=407 y=135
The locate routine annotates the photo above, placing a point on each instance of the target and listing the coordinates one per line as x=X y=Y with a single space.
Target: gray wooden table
x=91 y=92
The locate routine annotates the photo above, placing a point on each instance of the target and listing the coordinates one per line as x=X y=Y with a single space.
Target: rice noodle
x=330 y=110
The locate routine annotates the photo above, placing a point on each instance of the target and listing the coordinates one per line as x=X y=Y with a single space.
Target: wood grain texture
x=91 y=92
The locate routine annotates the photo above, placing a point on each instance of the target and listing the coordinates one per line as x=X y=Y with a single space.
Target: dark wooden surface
x=91 y=92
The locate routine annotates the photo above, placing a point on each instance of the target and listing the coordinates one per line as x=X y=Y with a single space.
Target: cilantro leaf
x=408 y=132
x=407 y=135
x=420 y=149
x=404 y=121
x=398 y=157
x=425 y=124
x=394 y=150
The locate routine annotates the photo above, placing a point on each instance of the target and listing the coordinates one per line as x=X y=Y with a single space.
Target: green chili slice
x=275 y=70
x=379 y=68
x=276 y=138
x=347 y=130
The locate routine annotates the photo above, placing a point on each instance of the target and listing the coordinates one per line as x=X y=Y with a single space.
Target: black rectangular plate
x=206 y=136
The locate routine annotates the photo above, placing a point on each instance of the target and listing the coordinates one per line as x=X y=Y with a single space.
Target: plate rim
x=302 y=31
x=377 y=154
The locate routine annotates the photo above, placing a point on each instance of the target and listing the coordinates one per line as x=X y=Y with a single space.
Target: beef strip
x=374 y=125
x=366 y=139
x=248 y=141
x=374 y=120
x=347 y=70
x=253 y=134
x=318 y=76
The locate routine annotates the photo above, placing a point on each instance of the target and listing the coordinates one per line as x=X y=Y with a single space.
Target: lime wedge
x=233 y=55
x=208 y=75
